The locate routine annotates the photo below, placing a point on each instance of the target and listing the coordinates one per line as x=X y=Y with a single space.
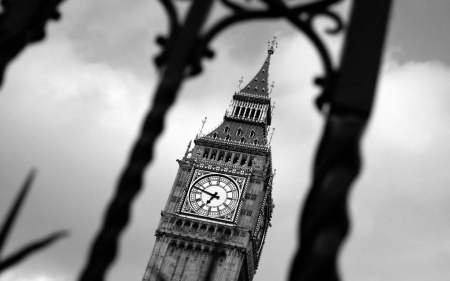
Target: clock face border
x=185 y=208
x=205 y=204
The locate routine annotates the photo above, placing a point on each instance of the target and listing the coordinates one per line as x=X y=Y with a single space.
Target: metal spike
x=270 y=141
x=271 y=87
x=203 y=124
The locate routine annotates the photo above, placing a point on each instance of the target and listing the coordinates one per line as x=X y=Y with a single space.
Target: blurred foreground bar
x=324 y=221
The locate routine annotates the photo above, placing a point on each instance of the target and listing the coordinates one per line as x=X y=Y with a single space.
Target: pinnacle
x=259 y=84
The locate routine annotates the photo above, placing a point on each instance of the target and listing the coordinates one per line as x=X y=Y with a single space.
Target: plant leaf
x=30 y=249
x=13 y=213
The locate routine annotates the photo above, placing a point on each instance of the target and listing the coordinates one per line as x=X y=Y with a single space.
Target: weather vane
x=272 y=45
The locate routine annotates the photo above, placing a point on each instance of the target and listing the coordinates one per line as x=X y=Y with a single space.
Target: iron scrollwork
x=181 y=56
x=302 y=16
x=23 y=22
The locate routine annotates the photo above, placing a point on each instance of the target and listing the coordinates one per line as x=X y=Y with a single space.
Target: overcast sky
x=72 y=106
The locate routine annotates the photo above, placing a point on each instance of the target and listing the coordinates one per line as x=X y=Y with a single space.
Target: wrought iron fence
x=345 y=105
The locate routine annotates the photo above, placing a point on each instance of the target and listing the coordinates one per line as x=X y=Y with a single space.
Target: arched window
x=243 y=159
x=215 y=135
x=237 y=111
x=227 y=129
x=256 y=141
x=236 y=158
x=242 y=140
x=257 y=114
x=205 y=155
x=247 y=112
x=252 y=113
x=239 y=132
x=228 y=157
x=252 y=133
x=250 y=163
x=228 y=137
x=242 y=112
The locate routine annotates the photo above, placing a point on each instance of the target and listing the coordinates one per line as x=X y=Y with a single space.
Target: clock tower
x=220 y=205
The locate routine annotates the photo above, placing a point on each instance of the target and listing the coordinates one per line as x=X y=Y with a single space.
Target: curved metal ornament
x=302 y=16
x=324 y=222
x=22 y=22
x=181 y=57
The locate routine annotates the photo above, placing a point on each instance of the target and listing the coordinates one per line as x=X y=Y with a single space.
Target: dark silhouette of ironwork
x=346 y=101
x=181 y=57
x=324 y=222
x=22 y=22
x=117 y=216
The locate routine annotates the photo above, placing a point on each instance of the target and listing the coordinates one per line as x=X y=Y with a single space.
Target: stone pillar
x=181 y=264
x=232 y=157
x=240 y=159
x=159 y=262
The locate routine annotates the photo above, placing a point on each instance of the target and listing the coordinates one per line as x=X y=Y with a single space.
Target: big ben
x=220 y=206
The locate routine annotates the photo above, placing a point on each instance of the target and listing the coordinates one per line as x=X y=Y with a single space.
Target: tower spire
x=259 y=84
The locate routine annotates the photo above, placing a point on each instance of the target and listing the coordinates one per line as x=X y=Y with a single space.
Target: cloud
x=399 y=205
x=16 y=275
x=413 y=104
x=73 y=119
x=72 y=107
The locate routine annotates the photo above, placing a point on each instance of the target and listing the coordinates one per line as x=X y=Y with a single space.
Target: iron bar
x=324 y=222
x=104 y=248
x=23 y=22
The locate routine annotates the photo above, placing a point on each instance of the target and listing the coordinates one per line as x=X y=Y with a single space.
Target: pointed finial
x=272 y=45
x=270 y=141
x=187 y=149
x=239 y=86
x=274 y=173
x=271 y=87
x=273 y=107
x=203 y=124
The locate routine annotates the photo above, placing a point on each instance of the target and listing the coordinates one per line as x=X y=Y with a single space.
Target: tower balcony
x=228 y=115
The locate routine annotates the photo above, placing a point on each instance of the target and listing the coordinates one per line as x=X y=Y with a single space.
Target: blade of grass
x=13 y=213
x=31 y=248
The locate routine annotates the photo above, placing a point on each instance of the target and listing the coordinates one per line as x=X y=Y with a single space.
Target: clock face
x=213 y=195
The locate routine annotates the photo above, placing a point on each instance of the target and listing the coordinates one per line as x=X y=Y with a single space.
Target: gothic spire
x=259 y=84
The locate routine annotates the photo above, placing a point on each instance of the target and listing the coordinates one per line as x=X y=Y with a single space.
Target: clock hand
x=209 y=193
x=212 y=197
